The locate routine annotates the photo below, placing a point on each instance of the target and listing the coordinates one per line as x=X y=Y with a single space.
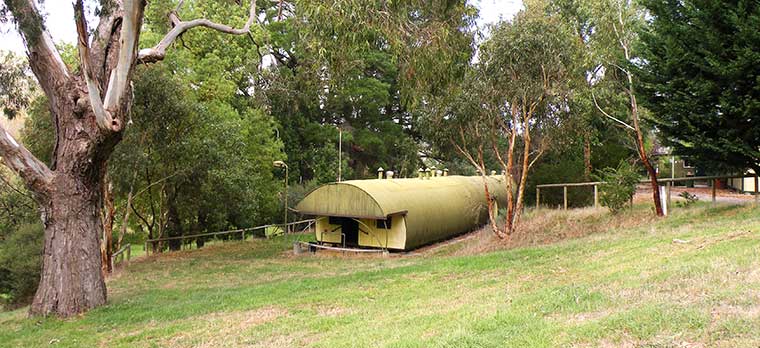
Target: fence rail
x=667 y=181
x=126 y=249
x=242 y=231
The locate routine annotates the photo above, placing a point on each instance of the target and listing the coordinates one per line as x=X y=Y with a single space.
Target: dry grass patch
x=545 y=226
x=223 y=329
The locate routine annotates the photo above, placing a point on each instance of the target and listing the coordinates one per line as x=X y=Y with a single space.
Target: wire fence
x=273 y=229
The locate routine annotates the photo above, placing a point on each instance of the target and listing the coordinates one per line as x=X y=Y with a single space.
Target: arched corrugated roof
x=435 y=208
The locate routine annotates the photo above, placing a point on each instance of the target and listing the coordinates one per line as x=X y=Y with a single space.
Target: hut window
x=384 y=224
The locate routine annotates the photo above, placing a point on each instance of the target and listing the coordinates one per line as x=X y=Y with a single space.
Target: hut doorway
x=350 y=229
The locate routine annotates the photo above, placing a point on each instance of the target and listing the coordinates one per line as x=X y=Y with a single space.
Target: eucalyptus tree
x=530 y=60
x=89 y=109
x=511 y=100
x=609 y=29
x=618 y=24
x=369 y=90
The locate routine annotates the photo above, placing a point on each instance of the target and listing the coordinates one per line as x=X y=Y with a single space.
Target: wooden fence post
x=564 y=195
x=538 y=197
x=596 y=196
x=670 y=185
x=714 y=182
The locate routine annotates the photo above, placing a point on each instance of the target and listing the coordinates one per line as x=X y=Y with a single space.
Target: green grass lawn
x=627 y=284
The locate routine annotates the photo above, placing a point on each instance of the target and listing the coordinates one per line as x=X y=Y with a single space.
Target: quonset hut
x=400 y=214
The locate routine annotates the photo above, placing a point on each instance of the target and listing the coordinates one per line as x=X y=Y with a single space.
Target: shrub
x=20 y=260
x=619 y=185
x=689 y=199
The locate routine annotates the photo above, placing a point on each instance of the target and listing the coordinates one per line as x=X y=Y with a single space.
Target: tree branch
x=158 y=52
x=102 y=117
x=35 y=174
x=44 y=59
x=608 y=115
x=121 y=75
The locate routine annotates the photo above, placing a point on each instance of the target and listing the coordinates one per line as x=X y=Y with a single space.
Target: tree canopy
x=700 y=79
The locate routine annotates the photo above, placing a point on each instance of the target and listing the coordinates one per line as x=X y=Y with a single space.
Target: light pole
x=281 y=164
x=340 y=154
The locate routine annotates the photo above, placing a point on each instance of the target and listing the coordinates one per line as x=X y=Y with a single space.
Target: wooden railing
x=667 y=181
x=288 y=228
x=126 y=249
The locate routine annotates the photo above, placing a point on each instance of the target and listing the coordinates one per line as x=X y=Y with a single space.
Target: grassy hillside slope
x=691 y=280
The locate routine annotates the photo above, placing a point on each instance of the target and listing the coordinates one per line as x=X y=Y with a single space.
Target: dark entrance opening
x=350 y=229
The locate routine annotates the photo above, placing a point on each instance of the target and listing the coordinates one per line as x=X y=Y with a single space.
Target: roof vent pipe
x=445 y=171
x=380 y=172
x=389 y=174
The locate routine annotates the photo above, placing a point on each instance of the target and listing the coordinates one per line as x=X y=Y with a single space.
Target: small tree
x=619 y=185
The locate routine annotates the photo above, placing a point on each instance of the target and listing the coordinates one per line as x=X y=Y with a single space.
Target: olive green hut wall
x=420 y=211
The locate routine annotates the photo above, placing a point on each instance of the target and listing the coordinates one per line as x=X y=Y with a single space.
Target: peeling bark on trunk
x=510 y=218
x=106 y=245
x=523 y=174
x=71 y=281
x=642 y=151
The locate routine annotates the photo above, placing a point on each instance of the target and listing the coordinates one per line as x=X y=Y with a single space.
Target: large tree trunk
x=71 y=280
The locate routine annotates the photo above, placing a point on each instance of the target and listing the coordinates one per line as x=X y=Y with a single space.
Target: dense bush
x=20 y=257
x=21 y=236
x=619 y=185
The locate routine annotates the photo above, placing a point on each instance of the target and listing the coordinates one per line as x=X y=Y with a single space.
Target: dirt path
x=644 y=193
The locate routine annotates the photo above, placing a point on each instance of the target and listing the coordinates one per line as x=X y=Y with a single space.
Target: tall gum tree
x=617 y=23
x=501 y=113
x=89 y=109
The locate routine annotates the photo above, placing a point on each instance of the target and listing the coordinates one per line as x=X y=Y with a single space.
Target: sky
x=60 y=23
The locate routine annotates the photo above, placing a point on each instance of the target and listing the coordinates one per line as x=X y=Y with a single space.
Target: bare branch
x=35 y=174
x=158 y=182
x=121 y=75
x=102 y=117
x=158 y=52
x=608 y=115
